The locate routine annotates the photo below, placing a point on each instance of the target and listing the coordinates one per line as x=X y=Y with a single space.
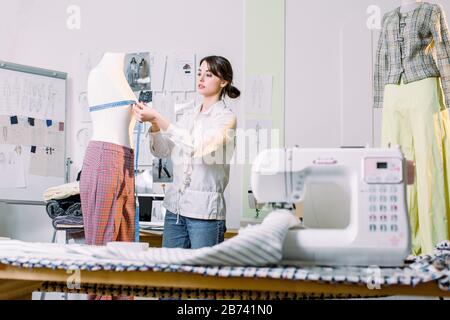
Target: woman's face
x=208 y=84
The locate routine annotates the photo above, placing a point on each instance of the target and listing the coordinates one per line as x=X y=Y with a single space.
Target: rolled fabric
x=74 y=210
x=54 y=209
x=69 y=220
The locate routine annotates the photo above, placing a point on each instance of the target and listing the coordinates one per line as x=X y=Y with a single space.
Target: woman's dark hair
x=221 y=68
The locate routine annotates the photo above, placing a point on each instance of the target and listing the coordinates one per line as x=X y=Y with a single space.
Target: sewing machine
x=354 y=204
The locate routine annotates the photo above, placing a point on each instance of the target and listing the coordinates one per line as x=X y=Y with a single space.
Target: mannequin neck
x=408 y=5
x=113 y=61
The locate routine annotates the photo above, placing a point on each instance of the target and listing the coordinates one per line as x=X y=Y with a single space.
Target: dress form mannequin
x=408 y=5
x=107 y=178
x=412 y=85
x=107 y=84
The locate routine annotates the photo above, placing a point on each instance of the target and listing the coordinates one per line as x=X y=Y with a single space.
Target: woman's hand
x=144 y=113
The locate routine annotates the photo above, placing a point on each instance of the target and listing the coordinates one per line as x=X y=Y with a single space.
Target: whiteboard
x=32 y=132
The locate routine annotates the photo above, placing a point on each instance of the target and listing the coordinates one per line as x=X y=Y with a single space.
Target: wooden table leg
x=17 y=289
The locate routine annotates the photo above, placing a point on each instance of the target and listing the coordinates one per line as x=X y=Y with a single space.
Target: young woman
x=200 y=145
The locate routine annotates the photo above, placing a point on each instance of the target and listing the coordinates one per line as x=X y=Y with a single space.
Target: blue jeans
x=191 y=233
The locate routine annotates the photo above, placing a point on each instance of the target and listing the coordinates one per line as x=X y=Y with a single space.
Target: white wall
x=34 y=32
x=329 y=59
x=329 y=67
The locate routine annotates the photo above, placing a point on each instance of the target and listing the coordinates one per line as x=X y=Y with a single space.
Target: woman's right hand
x=144 y=113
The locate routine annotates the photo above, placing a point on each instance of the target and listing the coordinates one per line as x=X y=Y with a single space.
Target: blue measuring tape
x=112 y=105
x=136 y=165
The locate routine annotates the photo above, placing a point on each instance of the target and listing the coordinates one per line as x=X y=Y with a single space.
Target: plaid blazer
x=414 y=45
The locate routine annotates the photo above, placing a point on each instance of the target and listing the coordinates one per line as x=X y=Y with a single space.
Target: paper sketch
x=158 y=69
x=258 y=137
x=180 y=72
x=12 y=167
x=54 y=139
x=56 y=165
x=145 y=156
x=165 y=104
x=38 y=133
x=38 y=162
x=137 y=71
x=18 y=133
x=258 y=98
x=47 y=162
x=24 y=94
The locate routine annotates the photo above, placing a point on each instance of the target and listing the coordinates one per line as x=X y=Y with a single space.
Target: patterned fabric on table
x=418 y=270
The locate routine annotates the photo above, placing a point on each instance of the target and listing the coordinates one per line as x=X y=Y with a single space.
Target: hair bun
x=233 y=92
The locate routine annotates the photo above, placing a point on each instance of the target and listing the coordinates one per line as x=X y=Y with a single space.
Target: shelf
x=150 y=195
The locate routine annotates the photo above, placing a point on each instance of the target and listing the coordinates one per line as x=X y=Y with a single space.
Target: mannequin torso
x=107 y=84
x=409 y=5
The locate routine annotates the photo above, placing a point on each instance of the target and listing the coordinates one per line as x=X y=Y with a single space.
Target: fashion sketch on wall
x=137 y=71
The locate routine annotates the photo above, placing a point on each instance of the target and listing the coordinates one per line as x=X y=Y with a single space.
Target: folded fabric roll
x=74 y=210
x=54 y=209
x=62 y=192
x=73 y=220
x=70 y=206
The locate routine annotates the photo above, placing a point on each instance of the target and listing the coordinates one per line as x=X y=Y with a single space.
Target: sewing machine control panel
x=383 y=170
x=384 y=177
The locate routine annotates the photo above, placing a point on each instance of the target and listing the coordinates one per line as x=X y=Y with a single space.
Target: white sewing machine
x=354 y=204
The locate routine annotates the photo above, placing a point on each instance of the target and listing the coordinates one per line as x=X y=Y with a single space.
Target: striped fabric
x=414 y=45
x=422 y=269
x=259 y=245
x=107 y=193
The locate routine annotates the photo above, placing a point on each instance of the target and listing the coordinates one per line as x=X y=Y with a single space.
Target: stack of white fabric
x=62 y=192
x=258 y=245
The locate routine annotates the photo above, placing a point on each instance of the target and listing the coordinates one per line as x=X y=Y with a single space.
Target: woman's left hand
x=144 y=113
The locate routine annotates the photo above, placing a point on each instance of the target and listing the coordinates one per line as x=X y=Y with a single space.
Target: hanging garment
x=107 y=193
x=413 y=46
x=412 y=118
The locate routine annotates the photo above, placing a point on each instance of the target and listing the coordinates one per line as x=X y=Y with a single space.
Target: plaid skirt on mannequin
x=107 y=197
x=107 y=193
